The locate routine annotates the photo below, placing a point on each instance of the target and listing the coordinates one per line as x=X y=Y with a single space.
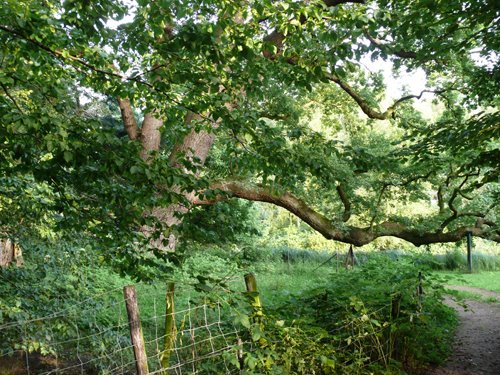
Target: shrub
x=376 y=315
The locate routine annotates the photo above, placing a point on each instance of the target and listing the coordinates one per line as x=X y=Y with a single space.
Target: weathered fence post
x=350 y=261
x=141 y=359
x=251 y=284
x=170 y=329
x=469 y=251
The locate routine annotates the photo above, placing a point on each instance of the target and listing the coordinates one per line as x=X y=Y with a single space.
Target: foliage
x=50 y=300
x=279 y=87
x=376 y=313
x=222 y=223
x=315 y=319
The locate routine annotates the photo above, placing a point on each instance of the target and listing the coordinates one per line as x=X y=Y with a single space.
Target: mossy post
x=253 y=293
x=170 y=329
x=136 y=336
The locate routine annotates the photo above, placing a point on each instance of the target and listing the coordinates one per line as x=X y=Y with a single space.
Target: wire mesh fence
x=93 y=337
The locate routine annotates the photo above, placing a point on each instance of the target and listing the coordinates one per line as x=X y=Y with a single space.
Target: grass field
x=489 y=280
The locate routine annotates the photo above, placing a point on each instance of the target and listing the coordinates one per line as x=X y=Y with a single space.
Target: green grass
x=462 y=295
x=488 y=280
x=284 y=282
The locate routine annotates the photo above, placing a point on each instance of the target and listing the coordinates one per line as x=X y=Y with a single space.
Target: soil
x=476 y=350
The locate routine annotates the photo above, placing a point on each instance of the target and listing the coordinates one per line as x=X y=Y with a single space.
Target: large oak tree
x=221 y=99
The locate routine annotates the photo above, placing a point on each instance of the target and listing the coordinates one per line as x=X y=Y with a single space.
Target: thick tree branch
x=330 y=230
x=440 y=199
x=345 y=201
x=128 y=119
x=195 y=145
x=150 y=134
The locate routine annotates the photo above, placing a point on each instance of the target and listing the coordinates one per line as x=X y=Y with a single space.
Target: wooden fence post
x=251 y=284
x=141 y=359
x=469 y=251
x=170 y=329
x=350 y=261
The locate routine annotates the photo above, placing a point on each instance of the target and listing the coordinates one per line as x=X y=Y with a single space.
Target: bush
x=376 y=315
x=41 y=303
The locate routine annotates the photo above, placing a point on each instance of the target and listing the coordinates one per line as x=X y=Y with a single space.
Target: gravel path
x=476 y=350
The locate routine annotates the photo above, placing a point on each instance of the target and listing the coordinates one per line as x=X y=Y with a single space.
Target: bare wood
x=150 y=134
x=7 y=252
x=141 y=359
x=128 y=118
x=195 y=146
x=345 y=201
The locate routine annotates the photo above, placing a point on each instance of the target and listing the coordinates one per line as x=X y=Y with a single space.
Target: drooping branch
x=367 y=109
x=277 y=39
x=335 y=231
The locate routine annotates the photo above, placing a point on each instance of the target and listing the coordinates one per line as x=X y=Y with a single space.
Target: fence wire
x=92 y=336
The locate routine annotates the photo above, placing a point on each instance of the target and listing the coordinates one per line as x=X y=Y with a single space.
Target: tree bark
x=150 y=134
x=128 y=118
x=10 y=252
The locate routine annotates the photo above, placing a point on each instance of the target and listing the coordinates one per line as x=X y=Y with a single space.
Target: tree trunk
x=10 y=252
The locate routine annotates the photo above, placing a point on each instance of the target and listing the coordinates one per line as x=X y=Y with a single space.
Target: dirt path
x=476 y=350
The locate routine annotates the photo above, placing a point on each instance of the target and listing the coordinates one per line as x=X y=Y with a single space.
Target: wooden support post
x=141 y=359
x=469 y=252
x=251 y=284
x=170 y=329
x=350 y=261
